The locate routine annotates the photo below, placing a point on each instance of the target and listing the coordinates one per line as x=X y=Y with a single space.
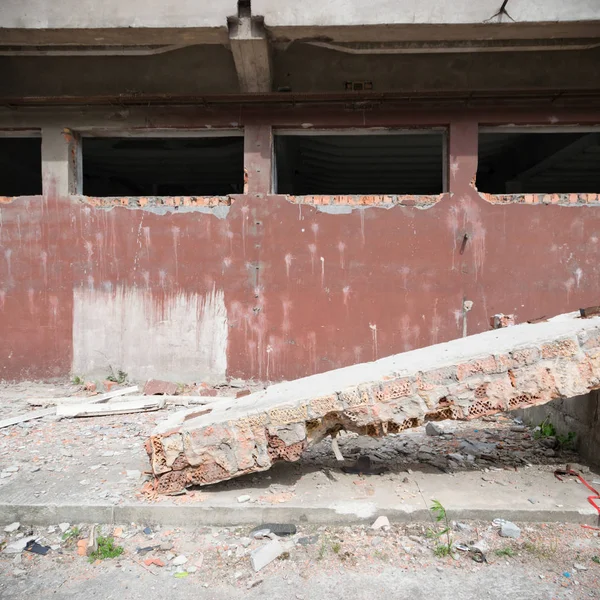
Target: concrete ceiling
x=189 y=48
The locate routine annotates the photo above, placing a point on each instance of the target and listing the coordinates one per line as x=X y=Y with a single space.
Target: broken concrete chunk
x=92 y=541
x=433 y=429
x=381 y=523
x=12 y=527
x=266 y=554
x=471 y=377
x=179 y=560
x=508 y=529
x=18 y=546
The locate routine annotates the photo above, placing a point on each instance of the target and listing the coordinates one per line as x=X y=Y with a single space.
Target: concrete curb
x=221 y=516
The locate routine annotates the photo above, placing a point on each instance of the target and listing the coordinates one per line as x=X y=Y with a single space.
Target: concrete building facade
x=267 y=190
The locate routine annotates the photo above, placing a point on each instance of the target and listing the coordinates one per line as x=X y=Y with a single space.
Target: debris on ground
x=508 y=529
x=36 y=548
x=156 y=387
x=266 y=554
x=381 y=523
x=231 y=555
x=279 y=529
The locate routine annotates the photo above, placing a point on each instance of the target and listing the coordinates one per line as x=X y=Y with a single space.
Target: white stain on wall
x=181 y=338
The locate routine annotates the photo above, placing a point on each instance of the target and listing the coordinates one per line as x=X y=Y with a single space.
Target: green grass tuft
x=106 y=549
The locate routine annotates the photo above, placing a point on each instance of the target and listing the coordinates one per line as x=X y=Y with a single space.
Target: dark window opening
x=20 y=166
x=546 y=163
x=210 y=166
x=359 y=164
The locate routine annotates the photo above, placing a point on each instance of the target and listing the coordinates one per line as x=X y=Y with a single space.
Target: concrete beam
x=251 y=53
x=499 y=370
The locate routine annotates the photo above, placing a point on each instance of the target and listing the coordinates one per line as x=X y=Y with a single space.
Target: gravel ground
x=546 y=561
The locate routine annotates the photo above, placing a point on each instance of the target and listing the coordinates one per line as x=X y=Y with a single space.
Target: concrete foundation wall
x=580 y=415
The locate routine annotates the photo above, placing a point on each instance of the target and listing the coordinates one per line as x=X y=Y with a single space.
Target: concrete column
x=251 y=53
x=258 y=158
x=61 y=162
x=462 y=150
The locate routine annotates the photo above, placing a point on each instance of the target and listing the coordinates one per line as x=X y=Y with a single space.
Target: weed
x=541 y=551
x=71 y=533
x=442 y=550
x=441 y=515
x=106 y=549
x=566 y=442
x=545 y=430
x=78 y=380
x=336 y=547
x=120 y=377
x=507 y=551
x=322 y=551
x=596 y=559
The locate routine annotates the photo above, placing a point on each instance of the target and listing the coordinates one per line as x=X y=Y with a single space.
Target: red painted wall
x=305 y=291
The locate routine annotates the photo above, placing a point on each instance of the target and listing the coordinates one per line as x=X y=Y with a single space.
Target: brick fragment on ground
x=483 y=374
x=155 y=387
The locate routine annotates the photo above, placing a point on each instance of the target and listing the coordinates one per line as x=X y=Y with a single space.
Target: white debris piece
x=12 y=527
x=266 y=554
x=381 y=523
x=508 y=529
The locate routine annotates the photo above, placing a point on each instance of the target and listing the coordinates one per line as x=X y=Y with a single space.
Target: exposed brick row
x=561 y=199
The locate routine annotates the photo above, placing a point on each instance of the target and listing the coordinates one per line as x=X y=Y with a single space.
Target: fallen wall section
x=499 y=370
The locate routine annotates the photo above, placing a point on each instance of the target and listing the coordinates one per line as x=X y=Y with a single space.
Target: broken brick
x=156 y=387
x=154 y=561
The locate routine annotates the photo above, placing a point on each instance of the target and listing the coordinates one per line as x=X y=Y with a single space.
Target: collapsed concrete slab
x=482 y=374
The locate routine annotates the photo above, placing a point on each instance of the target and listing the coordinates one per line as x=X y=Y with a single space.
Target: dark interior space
x=20 y=166
x=200 y=166
x=551 y=163
x=360 y=164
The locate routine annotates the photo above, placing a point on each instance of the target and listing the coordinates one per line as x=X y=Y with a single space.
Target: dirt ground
x=547 y=561
x=103 y=458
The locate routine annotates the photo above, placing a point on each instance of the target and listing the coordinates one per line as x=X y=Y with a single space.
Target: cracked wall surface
x=499 y=370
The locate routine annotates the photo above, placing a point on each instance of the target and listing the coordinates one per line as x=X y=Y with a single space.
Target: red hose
x=591 y=499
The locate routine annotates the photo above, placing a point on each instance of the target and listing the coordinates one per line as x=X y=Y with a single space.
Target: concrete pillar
x=251 y=53
x=462 y=149
x=258 y=158
x=61 y=162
